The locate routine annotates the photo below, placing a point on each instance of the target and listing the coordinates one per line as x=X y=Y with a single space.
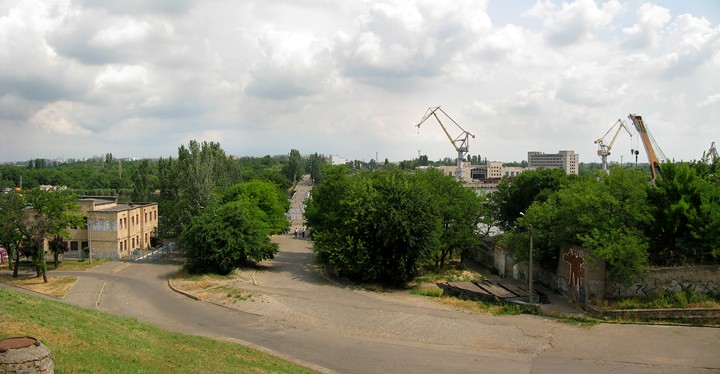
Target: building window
x=146 y=216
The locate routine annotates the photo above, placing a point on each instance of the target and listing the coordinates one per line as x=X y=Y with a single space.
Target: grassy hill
x=90 y=341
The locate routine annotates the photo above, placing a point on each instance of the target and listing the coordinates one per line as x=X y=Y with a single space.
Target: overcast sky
x=352 y=78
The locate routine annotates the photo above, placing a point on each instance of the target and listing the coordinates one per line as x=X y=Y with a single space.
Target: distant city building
x=485 y=176
x=336 y=160
x=566 y=160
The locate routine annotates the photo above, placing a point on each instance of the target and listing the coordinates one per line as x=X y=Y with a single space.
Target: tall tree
x=141 y=182
x=223 y=238
x=373 y=227
x=313 y=166
x=268 y=197
x=460 y=210
x=13 y=224
x=295 y=167
x=513 y=197
x=682 y=205
x=604 y=214
x=52 y=213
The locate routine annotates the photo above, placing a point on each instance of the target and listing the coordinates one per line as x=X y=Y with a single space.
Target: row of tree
x=28 y=219
x=619 y=217
x=387 y=225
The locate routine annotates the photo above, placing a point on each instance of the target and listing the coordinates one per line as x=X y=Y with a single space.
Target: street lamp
x=531 y=296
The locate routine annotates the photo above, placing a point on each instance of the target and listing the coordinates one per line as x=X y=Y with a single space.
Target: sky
x=353 y=78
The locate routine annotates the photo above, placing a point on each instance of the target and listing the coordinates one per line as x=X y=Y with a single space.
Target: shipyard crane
x=460 y=143
x=648 y=142
x=604 y=149
x=711 y=155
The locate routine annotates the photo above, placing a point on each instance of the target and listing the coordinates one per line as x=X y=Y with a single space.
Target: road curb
x=184 y=293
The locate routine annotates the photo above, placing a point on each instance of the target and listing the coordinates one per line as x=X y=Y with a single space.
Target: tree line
x=619 y=217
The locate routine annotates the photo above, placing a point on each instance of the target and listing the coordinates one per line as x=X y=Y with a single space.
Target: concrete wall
x=699 y=279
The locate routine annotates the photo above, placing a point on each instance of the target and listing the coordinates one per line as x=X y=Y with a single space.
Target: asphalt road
x=333 y=327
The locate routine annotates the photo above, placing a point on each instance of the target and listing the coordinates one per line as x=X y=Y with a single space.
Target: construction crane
x=460 y=143
x=648 y=142
x=604 y=149
x=711 y=155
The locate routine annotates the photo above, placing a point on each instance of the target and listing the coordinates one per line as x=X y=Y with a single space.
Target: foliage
x=268 y=197
x=685 y=207
x=57 y=246
x=295 y=167
x=52 y=212
x=681 y=299
x=13 y=225
x=225 y=237
x=460 y=211
x=141 y=179
x=514 y=197
x=314 y=166
x=373 y=227
x=603 y=214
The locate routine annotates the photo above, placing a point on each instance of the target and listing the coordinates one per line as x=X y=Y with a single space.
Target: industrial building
x=112 y=229
x=566 y=160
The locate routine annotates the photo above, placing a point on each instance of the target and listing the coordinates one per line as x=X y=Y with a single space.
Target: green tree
x=314 y=167
x=603 y=214
x=460 y=211
x=683 y=206
x=223 y=238
x=373 y=227
x=187 y=184
x=13 y=225
x=268 y=197
x=57 y=246
x=295 y=166
x=513 y=197
x=52 y=213
x=141 y=182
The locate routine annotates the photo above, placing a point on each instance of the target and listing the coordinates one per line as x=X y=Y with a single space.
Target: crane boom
x=604 y=149
x=649 y=150
x=711 y=155
x=460 y=143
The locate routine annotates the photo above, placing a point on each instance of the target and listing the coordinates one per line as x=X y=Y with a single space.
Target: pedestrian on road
x=296 y=232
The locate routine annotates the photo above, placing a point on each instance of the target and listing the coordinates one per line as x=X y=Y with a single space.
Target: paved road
x=301 y=315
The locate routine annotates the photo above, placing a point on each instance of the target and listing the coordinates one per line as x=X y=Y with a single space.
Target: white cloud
x=59 y=118
x=651 y=20
x=351 y=78
x=575 y=22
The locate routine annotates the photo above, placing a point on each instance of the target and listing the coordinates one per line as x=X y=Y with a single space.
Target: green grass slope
x=88 y=341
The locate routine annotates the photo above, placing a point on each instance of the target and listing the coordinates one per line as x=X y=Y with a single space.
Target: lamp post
x=530 y=264
x=531 y=297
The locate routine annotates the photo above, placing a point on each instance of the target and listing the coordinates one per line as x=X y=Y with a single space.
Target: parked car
x=3 y=255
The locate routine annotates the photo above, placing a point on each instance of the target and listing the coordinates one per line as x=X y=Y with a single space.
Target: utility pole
x=531 y=296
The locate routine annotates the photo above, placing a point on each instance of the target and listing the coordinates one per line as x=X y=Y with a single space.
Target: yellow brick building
x=112 y=229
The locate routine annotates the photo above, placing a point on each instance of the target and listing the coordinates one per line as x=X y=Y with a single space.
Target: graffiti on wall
x=577 y=269
x=674 y=285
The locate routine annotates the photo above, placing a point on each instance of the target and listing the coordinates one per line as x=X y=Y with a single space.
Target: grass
x=680 y=300
x=56 y=287
x=68 y=264
x=89 y=341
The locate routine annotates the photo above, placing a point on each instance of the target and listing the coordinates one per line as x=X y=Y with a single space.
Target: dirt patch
x=217 y=290
x=57 y=286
